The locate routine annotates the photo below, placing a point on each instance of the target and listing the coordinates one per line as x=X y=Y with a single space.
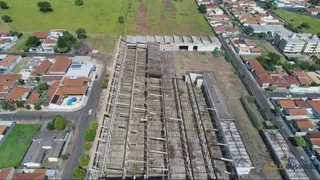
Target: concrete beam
x=157 y=138
x=157 y=152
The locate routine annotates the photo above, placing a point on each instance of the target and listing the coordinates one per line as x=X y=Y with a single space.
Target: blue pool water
x=71 y=100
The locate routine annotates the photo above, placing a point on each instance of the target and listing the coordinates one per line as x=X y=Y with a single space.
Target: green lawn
x=297 y=19
x=96 y=16
x=166 y=17
x=16 y=144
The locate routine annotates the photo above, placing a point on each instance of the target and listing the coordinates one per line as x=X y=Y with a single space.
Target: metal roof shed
x=131 y=39
x=177 y=39
x=186 y=39
x=205 y=40
x=196 y=39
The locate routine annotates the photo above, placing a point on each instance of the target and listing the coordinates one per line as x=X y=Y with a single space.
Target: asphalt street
x=262 y=101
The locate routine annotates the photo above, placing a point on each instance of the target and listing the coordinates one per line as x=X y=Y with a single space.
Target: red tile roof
x=286 y=103
x=219 y=29
x=3 y=41
x=314 y=135
x=2 y=129
x=301 y=104
x=41 y=35
x=17 y=92
x=49 y=40
x=61 y=65
x=8 y=60
x=33 y=97
x=4 y=173
x=313 y=10
x=292 y=81
x=315 y=105
x=38 y=174
x=80 y=81
x=304 y=124
x=42 y=68
x=53 y=88
x=70 y=91
x=302 y=77
x=297 y=112
x=315 y=142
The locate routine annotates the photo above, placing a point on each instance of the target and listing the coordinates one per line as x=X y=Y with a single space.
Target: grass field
x=96 y=16
x=166 y=17
x=16 y=144
x=297 y=19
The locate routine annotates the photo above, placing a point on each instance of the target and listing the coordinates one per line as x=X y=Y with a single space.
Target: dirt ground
x=233 y=89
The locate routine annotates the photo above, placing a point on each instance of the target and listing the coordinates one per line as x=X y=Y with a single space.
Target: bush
x=6 y=18
x=28 y=106
x=78 y=2
x=59 y=123
x=42 y=87
x=20 y=103
x=104 y=85
x=93 y=125
x=65 y=156
x=87 y=146
x=12 y=107
x=81 y=33
x=84 y=160
x=79 y=173
x=44 y=6
x=50 y=125
x=37 y=106
x=121 y=19
x=3 y=5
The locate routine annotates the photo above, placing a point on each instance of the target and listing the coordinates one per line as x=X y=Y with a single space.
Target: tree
x=215 y=52
x=93 y=125
x=12 y=107
x=84 y=160
x=305 y=25
x=274 y=58
x=104 y=85
x=37 y=106
x=37 y=79
x=32 y=41
x=89 y=135
x=304 y=65
x=82 y=48
x=298 y=141
x=65 y=156
x=69 y=39
x=44 y=6
x=59 y=123
x=6 y=18
x=20 y=103
x=78 y=2
x=202 y=9
x=271 y=5
x=21 y=82
x=87 y=146
x=50 y=125
x=121 y=19
x=79 y=173
x=3 y=5
x=5 y=105
x=42 y=87
x=277 y=109
x=81 y=33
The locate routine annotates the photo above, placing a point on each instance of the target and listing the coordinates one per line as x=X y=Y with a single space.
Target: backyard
x=297 y=19
x=164 y=17
x=96 y=16
x=16 y=144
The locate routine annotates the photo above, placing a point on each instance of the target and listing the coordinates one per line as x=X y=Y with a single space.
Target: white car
x=90 y=112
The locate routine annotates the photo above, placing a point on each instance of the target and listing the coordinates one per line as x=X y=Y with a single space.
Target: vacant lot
x=233 y=89
x=297 y=19
x=16 y=144
x=96 y=16
x=166 y=17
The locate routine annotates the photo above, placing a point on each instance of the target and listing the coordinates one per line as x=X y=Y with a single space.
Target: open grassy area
x=166 y=17
x=16 y=144
x=297 y=19
x=96 y=16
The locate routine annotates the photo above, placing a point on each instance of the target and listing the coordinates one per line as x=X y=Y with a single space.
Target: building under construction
x=156 y=125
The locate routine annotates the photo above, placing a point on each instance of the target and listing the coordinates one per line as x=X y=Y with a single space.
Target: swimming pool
x=71 y=100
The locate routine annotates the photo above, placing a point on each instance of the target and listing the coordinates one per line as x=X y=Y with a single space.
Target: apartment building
x=292 y=43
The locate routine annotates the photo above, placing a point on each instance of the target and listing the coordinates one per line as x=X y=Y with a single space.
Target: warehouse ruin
x=161 y=126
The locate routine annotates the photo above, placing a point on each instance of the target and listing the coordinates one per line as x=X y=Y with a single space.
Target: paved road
x=297 y=95
x=262 y=101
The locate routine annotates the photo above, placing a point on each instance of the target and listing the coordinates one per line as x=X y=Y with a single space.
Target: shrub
x=121 y=19
x=93 y=125
x=84 y=160
x=44 y=6
x=298 y=141
x=65 y=156
x=20 y=104
x=81 y=33
x=78 y=2
x=79 y=173
x=3 y=5
x=6 y=18
x=50 y=125
x=12 y=107
x=42 y=87
x=28 y=106
x=59 y=123
x=104 y=85
x=37 y=106
x=87 y=146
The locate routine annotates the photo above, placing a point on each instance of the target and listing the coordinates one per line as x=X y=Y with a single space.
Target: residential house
x=48 y=44
x=45 y=145
x=7 y=82
x=6 y=41
x=42 y=68
x=220 y=30
x=19 y=93
x=33 y=97
x=302 y=77
x=303 y=126
x=6 y=174
x=8 y=62
x=314 y=77
x=295 y=113
x=38 y=174
x=314 y=139
x=51 y=92
x=313 y=11
x=41 y=35
x=60 y=66
x=315 y=105
x=48 y=39
x=261 y=75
